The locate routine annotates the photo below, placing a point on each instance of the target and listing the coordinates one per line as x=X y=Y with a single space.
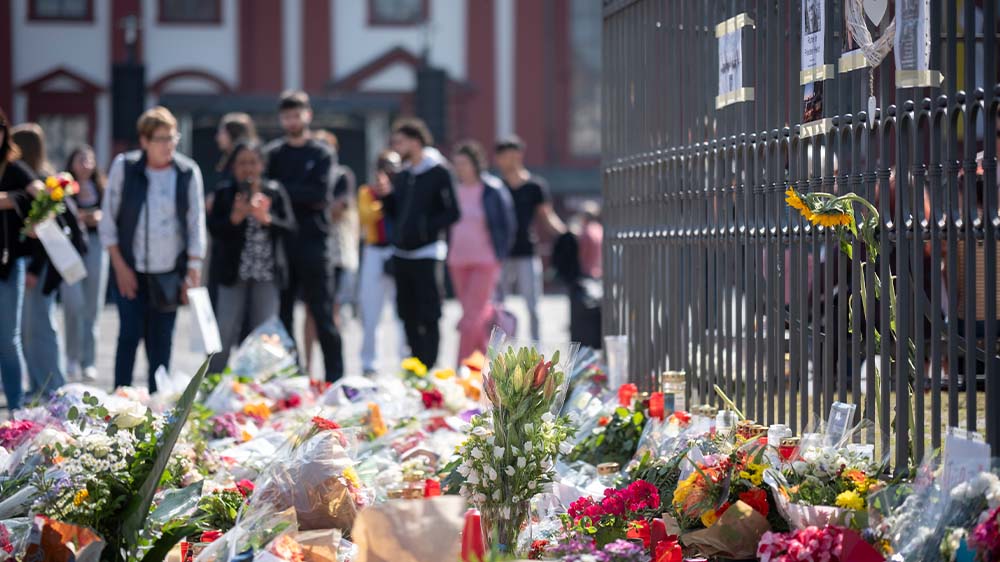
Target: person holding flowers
x=42 y=352
x=18 y=186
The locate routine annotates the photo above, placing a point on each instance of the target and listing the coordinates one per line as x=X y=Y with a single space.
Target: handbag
x=164 y=289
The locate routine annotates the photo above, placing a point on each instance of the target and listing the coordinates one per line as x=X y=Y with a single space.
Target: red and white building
x=530 y=67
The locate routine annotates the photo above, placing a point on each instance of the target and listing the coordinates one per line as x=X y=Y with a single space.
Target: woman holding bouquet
x=18 y=187
x=38 y=323
x=83 y=301
x=249 y=219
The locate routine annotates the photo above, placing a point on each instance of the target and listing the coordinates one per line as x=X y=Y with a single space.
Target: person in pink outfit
x=480 y=241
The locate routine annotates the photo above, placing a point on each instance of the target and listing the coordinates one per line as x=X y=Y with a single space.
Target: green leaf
x=72 y=414
x=176 y=503
x=166 y=542
x=138 y=507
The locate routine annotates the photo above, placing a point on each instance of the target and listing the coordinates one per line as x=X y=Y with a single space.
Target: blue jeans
x=41 y=342
x=11 y=301
x=139 y=321
x=82 y=305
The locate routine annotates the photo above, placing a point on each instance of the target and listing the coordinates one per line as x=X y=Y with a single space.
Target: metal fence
x=708 y=271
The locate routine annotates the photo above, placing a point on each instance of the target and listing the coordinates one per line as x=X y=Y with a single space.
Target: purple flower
x=624 y=551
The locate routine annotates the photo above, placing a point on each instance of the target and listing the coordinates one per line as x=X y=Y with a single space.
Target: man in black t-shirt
x=522 y=271
x=304 y=166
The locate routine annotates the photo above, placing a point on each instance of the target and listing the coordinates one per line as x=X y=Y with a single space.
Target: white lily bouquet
x=511 y=449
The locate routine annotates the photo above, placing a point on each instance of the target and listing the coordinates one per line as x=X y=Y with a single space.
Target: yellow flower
x=444 y=374
x=830 y=219
x=81 y=497
x=52 y=182
x=745 y=475
x=709 y=518
x=352 y=476
x=413 y=365
x=375 y=420
x=684 y=489
x=794 y=201
x=258 y=410
x=850 y=500
x=57 y=194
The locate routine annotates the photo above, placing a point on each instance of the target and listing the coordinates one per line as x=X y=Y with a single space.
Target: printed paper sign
x=62 y=254
x=731 y=62
x=205 y=331
x=966 y=454
x=813 y=25
x=913 y=35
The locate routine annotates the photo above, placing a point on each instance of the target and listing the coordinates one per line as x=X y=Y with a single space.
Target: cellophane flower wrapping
x=317 y=478
x=510 y=452
x=917 y=517
x=265 y=352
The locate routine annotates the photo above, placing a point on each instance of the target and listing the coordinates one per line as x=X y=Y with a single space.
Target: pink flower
x=15 y=432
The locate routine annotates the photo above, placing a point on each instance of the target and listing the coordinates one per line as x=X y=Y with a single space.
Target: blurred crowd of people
x=285 y=224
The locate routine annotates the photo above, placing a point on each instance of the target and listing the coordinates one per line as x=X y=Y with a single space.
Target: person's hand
x=241 y=208
x=260 y=208
x=34 y=188
x=128 y=283
x=192 y=280
x=91 y=218
x=30 y=281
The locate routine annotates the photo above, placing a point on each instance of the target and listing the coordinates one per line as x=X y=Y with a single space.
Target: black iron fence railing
x=708 y=270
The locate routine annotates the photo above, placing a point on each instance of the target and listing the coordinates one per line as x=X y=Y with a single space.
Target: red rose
x=245 y=487
x=625 y=394
x=432 y=398
x=757 y=499
x=603 y=421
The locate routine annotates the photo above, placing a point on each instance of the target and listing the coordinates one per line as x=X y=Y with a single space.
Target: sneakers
x=90 y=374
x=72 y=370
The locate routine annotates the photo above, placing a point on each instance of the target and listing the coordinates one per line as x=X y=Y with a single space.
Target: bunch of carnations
x=13 y=433
x=613 y=516
x=51 y=200
x=510 y=451
x=985 y=538
x=812 y=544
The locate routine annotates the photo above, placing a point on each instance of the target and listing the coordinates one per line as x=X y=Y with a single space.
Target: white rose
x=125 y=413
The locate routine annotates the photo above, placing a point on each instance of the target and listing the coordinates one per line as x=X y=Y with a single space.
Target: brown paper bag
x=320 y=546
x=735 y=535
x=427 y=530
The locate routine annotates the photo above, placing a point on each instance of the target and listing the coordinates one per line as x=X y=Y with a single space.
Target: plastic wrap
x=318 y=480
x=265 y=352
x=501 y=343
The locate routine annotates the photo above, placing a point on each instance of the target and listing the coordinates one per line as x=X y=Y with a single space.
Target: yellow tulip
x=52 y=182
x=57 y=194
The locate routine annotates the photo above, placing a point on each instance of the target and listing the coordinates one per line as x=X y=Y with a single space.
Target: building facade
x=513 y=66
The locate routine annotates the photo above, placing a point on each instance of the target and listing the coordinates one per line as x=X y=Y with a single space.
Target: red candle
x=473 y=548
x=656 y=406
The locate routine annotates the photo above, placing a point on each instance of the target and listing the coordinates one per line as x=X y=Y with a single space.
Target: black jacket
x=422 y=204
x=14 y=178
x=40 y=263
x=230 y=237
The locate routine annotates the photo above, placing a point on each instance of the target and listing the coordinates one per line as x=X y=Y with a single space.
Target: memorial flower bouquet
x=510 y=450
x=826 y=485
x=615 y=515
x=615 y=438
x=816 y=544
x=51 y=200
